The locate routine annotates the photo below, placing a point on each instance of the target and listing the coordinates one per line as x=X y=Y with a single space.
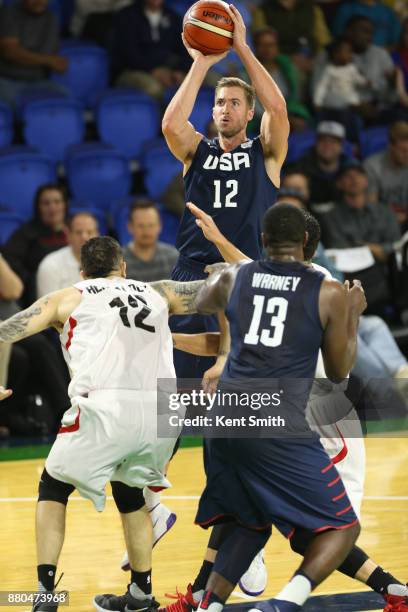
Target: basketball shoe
x=45 y=606
x=184 y=602
x=395 y=603
x=254 y=581
x=163 y=520
x=124 y=603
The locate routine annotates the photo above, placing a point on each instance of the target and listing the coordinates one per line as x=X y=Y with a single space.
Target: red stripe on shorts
x=72 y=325
x=70 y=428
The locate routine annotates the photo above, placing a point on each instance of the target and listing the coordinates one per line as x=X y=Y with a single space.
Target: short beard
x=229 y=132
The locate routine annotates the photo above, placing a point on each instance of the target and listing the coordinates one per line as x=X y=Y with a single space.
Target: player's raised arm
x=179 y=133
x=275 y=124
x=340 y=309
x=206 y=223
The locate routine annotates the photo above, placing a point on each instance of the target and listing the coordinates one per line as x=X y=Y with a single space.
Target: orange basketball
x=208 y=27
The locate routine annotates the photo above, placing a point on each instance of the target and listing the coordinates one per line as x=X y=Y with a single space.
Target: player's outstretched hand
x=357 y=298
x=210 y=60
x=206 y=223
x=4 y=393
x=239 y=37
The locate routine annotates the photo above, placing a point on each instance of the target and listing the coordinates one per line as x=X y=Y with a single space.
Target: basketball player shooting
x=233 y=178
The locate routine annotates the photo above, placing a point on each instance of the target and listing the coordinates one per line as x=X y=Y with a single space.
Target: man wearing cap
x=323 y=161
x=355 y=221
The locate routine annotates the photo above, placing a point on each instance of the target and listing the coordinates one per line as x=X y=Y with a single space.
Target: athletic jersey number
x=232 y=185
x=276 y=306
x=133 y=302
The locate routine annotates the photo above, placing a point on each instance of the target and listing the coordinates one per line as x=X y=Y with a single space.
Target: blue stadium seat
x=373 y=140
x=8 y=224
x=170 y=223
x=300 y=142
x=22 y=171
x=34 y=95
x=160 y=168
x=100 y=175
x=88 y=73
x=181 y=6
x=6 y=125
x=52 y=124
x=202 y=111
x=127 y=119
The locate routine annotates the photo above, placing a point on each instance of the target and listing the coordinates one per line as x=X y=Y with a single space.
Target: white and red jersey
x=118 y=337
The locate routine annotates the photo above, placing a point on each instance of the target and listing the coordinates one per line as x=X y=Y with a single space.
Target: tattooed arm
x=52 y=310
x=32 y=320
x=180 y=297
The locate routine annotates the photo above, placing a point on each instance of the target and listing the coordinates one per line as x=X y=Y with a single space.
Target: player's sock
x=200 y=582
x=46 y=577
x=141 y=584
x=381 y=582
x=152 y=498
x=298 y=590
x=210 y=602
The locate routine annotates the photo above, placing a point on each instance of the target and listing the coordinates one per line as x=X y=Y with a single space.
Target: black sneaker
x=124 y=603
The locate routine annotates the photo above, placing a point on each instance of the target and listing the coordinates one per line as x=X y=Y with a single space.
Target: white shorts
x=344 y=443
x=110 y=435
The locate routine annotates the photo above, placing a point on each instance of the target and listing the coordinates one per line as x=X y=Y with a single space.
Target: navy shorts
x=191 y=366
x=289 y=483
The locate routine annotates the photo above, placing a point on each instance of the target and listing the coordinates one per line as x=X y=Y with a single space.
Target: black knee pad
x=127 y=499
x=50 y=489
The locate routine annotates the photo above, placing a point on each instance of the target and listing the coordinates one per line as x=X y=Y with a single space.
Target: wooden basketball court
x=94 y=543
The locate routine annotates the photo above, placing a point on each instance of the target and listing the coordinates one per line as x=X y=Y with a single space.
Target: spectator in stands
x=33 y=361
x=300 y=24
x=93 y=20
x=29 y=42
x=148 y=52
x=62 y=268
x=146 y=258
x=388 y=173
x=281 y=68
x=387 y=26
x=400 y=7
x=375 y=63
x=337 y=93
x=356 y=222
x=292 y=179
x=45 y=233
x=323 y=161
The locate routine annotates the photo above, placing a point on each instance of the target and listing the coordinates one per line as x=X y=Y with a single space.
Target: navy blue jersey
x=235 y=190
x=275 y=327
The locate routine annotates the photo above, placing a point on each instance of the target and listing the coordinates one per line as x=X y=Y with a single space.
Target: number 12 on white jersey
x=276 y=306
x=232 y=185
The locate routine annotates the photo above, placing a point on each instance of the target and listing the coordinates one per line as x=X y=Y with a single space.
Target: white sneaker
x=163 y=520
x=254 y=581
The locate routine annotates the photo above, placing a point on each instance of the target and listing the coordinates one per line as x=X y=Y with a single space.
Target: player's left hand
x=212 y=376
x=239 y=38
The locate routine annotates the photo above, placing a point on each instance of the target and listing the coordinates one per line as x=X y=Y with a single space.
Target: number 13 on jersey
x=232 y=186
x=276 y=306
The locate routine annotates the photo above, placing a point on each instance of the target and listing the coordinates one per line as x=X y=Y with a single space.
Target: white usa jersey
x=118 y=337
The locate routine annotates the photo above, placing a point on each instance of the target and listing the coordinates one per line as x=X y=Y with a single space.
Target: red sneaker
x=185 y=602
x=396 y=603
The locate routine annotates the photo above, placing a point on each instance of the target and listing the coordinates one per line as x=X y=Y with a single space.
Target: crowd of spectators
x=342 y=67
